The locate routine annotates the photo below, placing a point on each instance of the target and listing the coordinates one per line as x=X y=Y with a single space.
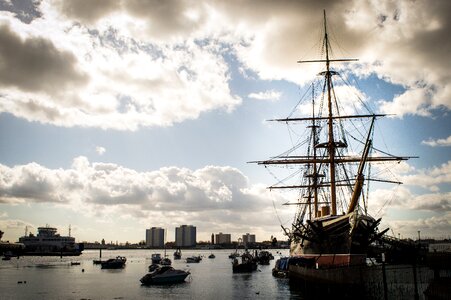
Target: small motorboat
x=248 y=264
x=156 y=258
x=178 y=254
x=211 y=256
x=74 y=263
x=164 y=275
x=193 y=259
x=264 y=257
x=114 y=263
x=234 y=255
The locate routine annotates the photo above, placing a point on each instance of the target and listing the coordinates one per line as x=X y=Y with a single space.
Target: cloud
x=100 y=150
x=36 y=65
x=432 y=227
x=222 y=195
x=427 y=178
x=438 y=142
x=132 y=83
x=131 y=64
x=266 y=95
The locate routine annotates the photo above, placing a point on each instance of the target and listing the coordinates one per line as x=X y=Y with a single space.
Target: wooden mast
x=331 y=142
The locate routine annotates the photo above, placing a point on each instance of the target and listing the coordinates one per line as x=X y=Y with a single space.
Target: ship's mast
x=330 y=145
x=331 y=142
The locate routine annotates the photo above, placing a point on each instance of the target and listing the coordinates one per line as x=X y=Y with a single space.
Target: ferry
x=49 y=243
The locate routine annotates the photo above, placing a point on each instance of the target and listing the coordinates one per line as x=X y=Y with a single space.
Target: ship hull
x=361 y=282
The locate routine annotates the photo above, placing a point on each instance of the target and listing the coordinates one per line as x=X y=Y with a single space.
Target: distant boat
x=263 y=257
x=114 y=263
x=48 y=243
x=74 y=263
x=234 y=254
x=281 y=267
x=165 y=262
x=193 y=259
x=178 y=254
x=248 y=264
x=164 y=275
x=156 y=258
x=211 y=256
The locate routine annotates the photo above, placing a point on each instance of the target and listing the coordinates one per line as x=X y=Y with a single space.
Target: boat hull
x=244 y=268
x=165 y=279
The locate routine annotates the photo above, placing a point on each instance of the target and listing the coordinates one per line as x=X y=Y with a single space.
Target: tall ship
x=48 y=242
x=329 y=167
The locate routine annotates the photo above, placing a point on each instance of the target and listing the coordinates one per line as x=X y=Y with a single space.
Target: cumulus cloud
x=132 y=82
x=429 y=177
x=438 y=142
x=129 y=64
x=222 y=195
x=35 y=65
x=409 y=199
x=266 y=95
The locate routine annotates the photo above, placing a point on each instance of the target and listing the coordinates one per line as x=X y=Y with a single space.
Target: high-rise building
x=223 y=238
x=155 y=237
x=248 y=238
x=185 y=236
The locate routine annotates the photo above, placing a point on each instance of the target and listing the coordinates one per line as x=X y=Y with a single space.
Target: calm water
x=55 y=278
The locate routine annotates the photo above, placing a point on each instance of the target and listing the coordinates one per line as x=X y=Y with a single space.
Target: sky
x=117 y=116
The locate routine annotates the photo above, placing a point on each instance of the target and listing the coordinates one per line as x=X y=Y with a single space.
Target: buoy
x=82 y=270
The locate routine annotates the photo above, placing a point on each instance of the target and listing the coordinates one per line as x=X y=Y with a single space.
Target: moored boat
x=178 y=254
x=193 y=259
x=165 y=262
x=156 y=258
x=114 y=263
x=248 y=264
x=164 y=275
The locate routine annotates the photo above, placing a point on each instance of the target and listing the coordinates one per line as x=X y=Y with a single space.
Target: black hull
x=362 y=282
x=245 y=268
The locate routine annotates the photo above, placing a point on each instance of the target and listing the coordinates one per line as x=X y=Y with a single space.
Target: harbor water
x=55 y=278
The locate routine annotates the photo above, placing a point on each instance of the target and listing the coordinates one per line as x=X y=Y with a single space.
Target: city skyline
x=118 y=115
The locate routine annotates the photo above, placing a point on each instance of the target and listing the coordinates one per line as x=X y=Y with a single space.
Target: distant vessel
x=332 y=228
x=248 y=264
x=114 y=263
x=164 y=275
x=178 y=254
x=156 y=258
x=48 y=243
x=193 y=259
